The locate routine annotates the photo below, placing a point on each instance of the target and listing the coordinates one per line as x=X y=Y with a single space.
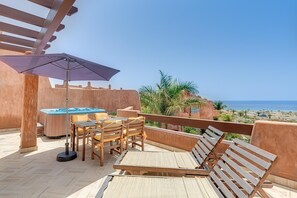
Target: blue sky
x=233 y=50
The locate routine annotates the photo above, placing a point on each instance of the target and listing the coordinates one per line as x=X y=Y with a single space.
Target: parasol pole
x=67 y=115
x=67 y=156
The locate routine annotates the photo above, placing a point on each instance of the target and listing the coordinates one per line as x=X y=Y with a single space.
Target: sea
x=262 y=105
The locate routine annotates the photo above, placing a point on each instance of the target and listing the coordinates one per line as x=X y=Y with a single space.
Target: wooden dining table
x=87 y=124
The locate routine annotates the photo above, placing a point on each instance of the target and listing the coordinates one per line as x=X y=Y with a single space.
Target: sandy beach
x=250 y=116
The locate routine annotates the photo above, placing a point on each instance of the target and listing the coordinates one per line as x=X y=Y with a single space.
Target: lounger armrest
x=104 y=186
x=119 y=159
x=202 y=172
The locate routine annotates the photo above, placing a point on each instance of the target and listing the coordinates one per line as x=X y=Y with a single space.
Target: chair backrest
x=206 y=144
x=135 y=125
x=242 y=169
x=111 y=129
x=101 y=116
x=79 y=117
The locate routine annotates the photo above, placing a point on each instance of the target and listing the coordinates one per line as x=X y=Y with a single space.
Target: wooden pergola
x=23 y=39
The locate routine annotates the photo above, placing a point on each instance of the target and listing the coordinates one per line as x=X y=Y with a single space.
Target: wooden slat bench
x=239 y=173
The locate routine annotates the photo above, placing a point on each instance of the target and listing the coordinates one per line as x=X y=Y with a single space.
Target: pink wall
x=279 y=138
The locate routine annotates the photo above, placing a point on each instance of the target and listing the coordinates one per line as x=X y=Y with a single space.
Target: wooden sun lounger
x=239 y=173
x=176 y=163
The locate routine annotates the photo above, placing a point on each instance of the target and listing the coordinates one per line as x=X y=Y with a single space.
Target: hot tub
x=54 y=120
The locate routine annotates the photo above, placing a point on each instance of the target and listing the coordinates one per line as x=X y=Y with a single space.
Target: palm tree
x=219 y=105
x=168 y=97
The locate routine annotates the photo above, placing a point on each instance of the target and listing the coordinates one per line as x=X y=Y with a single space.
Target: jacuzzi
x=54 y=120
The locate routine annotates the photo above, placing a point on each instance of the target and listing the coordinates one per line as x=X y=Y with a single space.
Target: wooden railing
x=239 y=128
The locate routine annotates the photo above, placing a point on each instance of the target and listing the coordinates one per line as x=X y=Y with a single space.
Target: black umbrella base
x=63 y=157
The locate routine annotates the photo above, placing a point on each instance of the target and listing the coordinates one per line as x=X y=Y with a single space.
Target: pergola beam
x=5 y=27
x=24 y=17
x=14 y=48
x=53 y=20
x=49 y=4
x=18 y=41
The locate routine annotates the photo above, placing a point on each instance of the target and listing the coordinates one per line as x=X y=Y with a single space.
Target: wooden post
x=29 y=114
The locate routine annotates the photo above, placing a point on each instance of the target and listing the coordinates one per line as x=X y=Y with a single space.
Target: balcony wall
x=279 y=138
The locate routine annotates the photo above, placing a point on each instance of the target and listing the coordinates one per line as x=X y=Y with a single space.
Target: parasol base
x=63 y=157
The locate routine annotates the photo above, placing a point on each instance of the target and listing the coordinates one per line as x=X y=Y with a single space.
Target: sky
x=232 y=50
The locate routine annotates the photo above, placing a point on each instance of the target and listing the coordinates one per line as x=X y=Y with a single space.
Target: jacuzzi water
x=74 y=110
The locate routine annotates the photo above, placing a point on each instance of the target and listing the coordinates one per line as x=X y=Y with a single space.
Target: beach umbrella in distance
x=64 y=67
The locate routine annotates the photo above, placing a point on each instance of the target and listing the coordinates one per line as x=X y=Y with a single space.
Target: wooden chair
x=101 y=116
x=79 y=131
x=108 y=131
x=134 y=132
x=174 y=163
x=239 y=173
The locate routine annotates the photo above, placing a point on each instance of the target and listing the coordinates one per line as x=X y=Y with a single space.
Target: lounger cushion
x=131 y=186
x=160 y=159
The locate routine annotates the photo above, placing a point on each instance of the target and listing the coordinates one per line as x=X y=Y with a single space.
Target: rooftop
x=38 y=174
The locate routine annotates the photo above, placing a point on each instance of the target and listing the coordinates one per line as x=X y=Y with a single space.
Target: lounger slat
x=211 y=134
x=206 y=150
x=200 y=152
x=205 y=142
x=207 y=189
x=215 y=188
x=246 y=163
x=250 y=156
x=231 y=185
x=200 y=160
x=246 y=186
x=194 y=157
x=212 y=140
x=255 y=149
x=221 y=186
x=234 y=165
x=217 y=131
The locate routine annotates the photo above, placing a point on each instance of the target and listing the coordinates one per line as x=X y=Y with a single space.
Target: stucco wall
x=110 y=100
x=11 y=94
x=279 y=138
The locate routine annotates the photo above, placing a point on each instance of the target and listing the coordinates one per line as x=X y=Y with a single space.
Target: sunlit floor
x=38 y=174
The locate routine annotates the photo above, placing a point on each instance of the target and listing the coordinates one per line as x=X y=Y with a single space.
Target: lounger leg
x=263 y=193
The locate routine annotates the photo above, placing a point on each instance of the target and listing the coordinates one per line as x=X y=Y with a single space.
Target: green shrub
x=191 y=130
x=241 y=113
x=226 y=117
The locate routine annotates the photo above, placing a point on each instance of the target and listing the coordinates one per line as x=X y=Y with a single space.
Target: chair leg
x=77 y=143
x=133 y=139
x=127 y=138
x=142 y=143
x=101 y=155
x=110 y=151
x=93 y=150
x=121 y=146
